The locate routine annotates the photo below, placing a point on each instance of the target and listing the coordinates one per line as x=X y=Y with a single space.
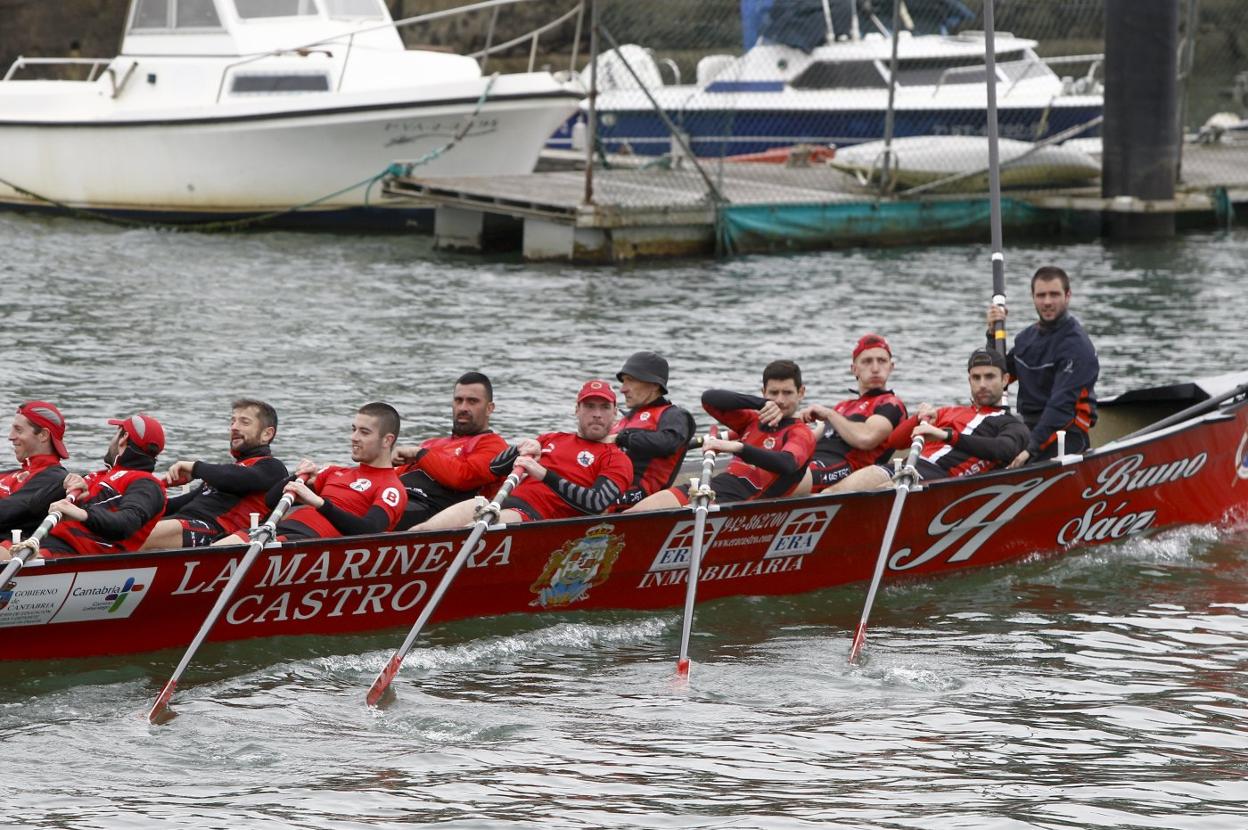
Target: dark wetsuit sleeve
x=238 y=480
x=1009 y=441
x=675 y=430
x=504 y=461
x=142 y=500
x=33 y=499
x=591 y=500
x=375 y=520
x=726 y=407
x=274 y=495
x=773 y=461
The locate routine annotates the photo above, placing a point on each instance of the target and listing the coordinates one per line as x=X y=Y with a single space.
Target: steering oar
x=260 y=536
x=906 y=478
x=703 y=495
x=488 y=513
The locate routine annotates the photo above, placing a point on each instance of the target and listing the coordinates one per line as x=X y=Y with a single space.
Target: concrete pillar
x=1140 y=134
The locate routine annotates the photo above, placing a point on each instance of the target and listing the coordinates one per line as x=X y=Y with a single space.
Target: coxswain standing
x=38 y=440
x=231 y=492
x=1056 y=367
x=654 y=432
x=771 y=455
x=117 y=507
x=855 y=429
x=568 y=474
x=450 y=469
x=960 y=440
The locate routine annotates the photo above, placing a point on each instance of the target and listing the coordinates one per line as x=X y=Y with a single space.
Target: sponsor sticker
x=675 y=553
x=801 y=531
x=105 y=595
x=32 y=600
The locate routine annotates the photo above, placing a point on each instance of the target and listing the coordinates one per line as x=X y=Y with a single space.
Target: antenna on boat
x=994 y=179
x=829 y=34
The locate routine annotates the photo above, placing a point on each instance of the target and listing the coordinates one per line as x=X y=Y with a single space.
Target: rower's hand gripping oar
x=906 y=478
x=260 y=536
x=377 y=693
x=702 y=496
x=22 y=551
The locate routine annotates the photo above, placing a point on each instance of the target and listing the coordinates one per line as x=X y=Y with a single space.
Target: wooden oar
x=994 y=179
x=28 y=547
x=906 y=479
x=260 y=536
x=489 y=513
x=702 y=496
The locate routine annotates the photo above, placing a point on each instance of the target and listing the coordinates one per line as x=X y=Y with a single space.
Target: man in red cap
x=38 y=439
x=114 y=509
x=568 y=474
x=856 y=428
x=771 y=454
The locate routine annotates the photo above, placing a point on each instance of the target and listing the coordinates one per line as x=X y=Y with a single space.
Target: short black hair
x=783 y=370
x=265 y=413
x=1047 y=273
x=385 y=413
x=473 y=378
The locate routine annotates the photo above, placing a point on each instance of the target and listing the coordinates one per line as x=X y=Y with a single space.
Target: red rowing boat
x=1189 y=469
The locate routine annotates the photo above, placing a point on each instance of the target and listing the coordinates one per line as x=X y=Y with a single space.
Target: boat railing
x=428 y=17
x=956 y=70
x=23 y=62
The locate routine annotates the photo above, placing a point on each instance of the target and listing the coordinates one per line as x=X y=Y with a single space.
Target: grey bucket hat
x=646 y=366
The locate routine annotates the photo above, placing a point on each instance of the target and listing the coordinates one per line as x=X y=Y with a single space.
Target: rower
x=1056 y=367
x=38 y=439
x=116 y=508
x=772 y=453
x=231 y=492
x=654 y=432
x=568 y=474
x=447 y=470
x=960 y=440
x=856 y=428
x=344 y=501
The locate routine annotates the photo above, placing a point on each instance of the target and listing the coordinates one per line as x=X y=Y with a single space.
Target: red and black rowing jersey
x=834 y=457
x=231 y=492
x=984 y=438
x=27 y=492
x=774 y=458
x=449 y=470
x=583 y=477
x=353 y=490
x=656 y=438
x=123 y=505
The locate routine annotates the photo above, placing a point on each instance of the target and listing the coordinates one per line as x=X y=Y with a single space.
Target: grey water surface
x=1103 y=689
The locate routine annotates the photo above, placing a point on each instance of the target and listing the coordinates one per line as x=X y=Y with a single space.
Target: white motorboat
x=283 y=109
x=837 y=92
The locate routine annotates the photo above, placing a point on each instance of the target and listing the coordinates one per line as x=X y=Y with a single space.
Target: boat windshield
x=174 y=14
x=965 y=69
x=353 y=9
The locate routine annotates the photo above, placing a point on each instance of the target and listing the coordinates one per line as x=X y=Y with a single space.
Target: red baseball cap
x=46 y=416
x=144 y=432
x=596 y=389
x=871 y=341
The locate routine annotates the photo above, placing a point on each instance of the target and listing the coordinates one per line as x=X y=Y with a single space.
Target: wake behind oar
x=905 y=478
x=260 y=536
x=380 y=693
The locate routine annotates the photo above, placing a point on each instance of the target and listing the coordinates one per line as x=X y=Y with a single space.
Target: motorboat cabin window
x=839 y=75
x=194 y=15
x=273 y=83
x=354 y=9
x=250 y=9
x=967 y=69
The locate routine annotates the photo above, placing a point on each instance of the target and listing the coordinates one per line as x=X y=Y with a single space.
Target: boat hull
x=1195 y=472
x=230 y=166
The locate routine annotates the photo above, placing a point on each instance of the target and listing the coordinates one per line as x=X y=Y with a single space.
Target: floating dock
x=729 y=208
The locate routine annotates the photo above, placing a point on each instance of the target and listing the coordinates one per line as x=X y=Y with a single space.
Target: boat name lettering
x=730 y=570
x=1127 y=474
x=1090 y=528
x=1001 y=503
x=284 y=570
x=349 y=600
